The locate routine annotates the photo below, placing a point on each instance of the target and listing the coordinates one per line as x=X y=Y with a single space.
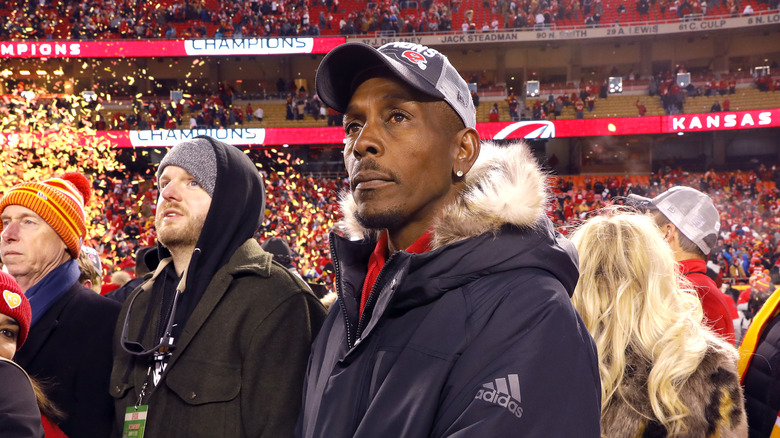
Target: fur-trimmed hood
x=505 y=186
x=496 y=224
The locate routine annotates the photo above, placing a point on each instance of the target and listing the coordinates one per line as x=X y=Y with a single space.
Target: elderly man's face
x=399 y=155
x=29 y=246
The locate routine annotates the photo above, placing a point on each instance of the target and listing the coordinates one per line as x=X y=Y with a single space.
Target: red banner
x=632 y=125
x=537 y=129
x=147 y=48
x=722 y=121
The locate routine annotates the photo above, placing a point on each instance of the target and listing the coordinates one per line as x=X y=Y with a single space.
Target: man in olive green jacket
x=216 y=341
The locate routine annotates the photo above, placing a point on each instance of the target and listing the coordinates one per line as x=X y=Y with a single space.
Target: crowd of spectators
x=20 y=111
x=303 y=208
x=670 y=91
x=551 y=107
x=217 y=110
x=301 y=104
x=766 y=83
x=748 y=201
x=303 y=189
x=131 y=19
x=140 y=19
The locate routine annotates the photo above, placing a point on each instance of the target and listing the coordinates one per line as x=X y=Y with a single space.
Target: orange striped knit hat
x=60 y=202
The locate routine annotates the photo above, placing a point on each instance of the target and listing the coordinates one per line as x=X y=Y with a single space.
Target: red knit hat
x=14 y=304
x=58 y=201
x=762 y=283
x=127 y=264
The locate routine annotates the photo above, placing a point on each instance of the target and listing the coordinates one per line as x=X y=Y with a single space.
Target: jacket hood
x=505 y=193
x=505 y=186
x=235 y=213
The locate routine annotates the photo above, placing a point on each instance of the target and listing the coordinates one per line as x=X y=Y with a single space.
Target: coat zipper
x=340 y=293
x=371 y=297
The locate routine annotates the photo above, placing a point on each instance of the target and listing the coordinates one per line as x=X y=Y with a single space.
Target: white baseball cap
x=690 y=210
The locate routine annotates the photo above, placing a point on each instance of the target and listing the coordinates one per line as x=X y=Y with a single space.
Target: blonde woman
x=663 y=373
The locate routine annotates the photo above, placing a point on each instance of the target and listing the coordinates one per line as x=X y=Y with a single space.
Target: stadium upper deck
x=566 y=56
x=168 y=19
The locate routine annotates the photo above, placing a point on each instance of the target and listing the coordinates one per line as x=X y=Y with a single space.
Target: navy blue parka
x=477 y=337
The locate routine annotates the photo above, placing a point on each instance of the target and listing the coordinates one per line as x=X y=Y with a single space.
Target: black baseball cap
x=421 y=67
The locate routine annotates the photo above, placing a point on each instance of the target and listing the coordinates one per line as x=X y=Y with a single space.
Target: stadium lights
x=615 y=84
x=683 y=79
x=5 y=73
x=24 y=72
x=761 y=71
x=532 y=88
x=59 y=72
x=41 y=72
x=88 y=95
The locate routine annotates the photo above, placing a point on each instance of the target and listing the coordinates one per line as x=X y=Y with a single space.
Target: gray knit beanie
x=197 y=157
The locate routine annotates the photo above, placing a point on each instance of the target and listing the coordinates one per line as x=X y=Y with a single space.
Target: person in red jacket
x=493 y=116
x=579 y=106
x=641 y=108
x=690 y=224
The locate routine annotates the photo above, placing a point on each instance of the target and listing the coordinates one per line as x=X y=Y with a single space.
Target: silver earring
x=459 y=173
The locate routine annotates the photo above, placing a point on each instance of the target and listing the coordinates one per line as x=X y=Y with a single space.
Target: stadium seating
x=467 y=10
x=616 y=105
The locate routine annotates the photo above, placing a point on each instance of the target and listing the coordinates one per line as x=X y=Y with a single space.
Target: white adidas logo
x=504 y=392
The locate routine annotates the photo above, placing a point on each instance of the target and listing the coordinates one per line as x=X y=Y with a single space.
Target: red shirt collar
x=378 y=258
x=692 y=265
x=419 y=246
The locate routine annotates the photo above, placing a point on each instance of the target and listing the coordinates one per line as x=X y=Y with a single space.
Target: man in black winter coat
x=453 y=316
x=69 y=346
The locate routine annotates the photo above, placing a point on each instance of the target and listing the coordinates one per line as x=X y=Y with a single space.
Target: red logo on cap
x=416 y=58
